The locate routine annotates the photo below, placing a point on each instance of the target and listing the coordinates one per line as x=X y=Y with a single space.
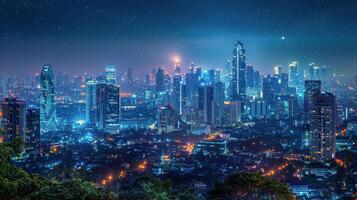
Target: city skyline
x=83 y=37
x=178 y=100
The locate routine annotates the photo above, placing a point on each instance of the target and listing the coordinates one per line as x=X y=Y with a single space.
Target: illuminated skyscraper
x=47 y=100
x=312 y=88
x=205 y=102
x=268 y=91
x=13 y=113
x=111 y=74
x=277 y=70
x=166 y=121
x=108 y=107
x=91 y=94
x=284 y=82
x=323 y=126
x=33 y=131
x=294 y=78
x=177 y=93
x=239 y=73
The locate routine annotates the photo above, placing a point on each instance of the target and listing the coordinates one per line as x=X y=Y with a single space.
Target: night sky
x=84 y=36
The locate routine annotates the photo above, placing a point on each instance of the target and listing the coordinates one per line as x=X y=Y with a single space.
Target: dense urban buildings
x=242 y=120
x=149 y=106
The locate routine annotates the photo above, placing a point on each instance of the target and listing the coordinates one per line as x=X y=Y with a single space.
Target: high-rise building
x=177 y=93
x=250 y=76
x=205 y=102
x=278 y=69
x=323 y=126
x=91 y=97
x=312 y=88
x=268 y=90
x=160 y=75
x=258 y=109
x=257 y=80
x=13 y=112
x=111 y=74
x=108 y=107
x=239 y=73
x=314 y=72
x=284 y=82
x=33 y=132
x=47 y=100
x=166 y=122
x=294 y=77
x=232 y=113
x=192 y=83
x=129 y=75
x=218 y=102
x=287 y=107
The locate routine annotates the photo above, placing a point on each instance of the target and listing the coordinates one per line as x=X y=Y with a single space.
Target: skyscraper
x=218 y=102
x=166 y=121
x=91 y=95
x=47 y=100
x=312 y=88
x=277 y=70
x=323 y=126
x=111 y=74
x=250 y=76
x=294 y=74
x=205 y=102
x=239 y=73
x=129 y=76
x=268 y=91
x=33 y=131
x=284 y=82
x=177 y=93
x=108 y=107
x=160 y=75
x=13 y=113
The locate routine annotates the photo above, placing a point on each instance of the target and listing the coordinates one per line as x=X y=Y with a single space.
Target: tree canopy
x=16 y=183
x=248 y=187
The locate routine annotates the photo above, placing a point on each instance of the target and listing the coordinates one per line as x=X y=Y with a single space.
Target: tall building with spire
x=239 y=73
x=47 y=99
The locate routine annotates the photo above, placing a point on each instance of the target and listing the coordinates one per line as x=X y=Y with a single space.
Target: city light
x=143 y=100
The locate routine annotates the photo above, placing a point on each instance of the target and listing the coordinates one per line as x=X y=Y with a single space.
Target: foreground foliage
x=16 y=183
x=250 y=187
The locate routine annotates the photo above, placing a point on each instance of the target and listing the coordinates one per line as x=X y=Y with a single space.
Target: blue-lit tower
x=47 y=100
x=239 y=73
x=91 y=94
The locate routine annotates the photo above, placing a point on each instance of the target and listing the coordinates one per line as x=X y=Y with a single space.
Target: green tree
x=16 y=183
x=248 y=187
x=147 y=188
